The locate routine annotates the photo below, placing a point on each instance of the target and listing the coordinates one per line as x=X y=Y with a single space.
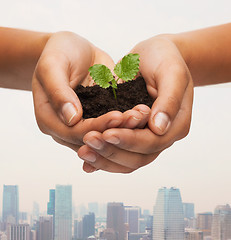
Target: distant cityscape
x=171 y=219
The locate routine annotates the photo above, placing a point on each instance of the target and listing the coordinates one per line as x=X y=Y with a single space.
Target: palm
x=59 y=71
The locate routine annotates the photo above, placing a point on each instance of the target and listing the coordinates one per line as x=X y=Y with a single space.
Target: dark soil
x=97 y=101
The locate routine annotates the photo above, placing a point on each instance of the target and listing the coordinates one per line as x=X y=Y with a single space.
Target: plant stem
x=114 y=86
x=114 y=92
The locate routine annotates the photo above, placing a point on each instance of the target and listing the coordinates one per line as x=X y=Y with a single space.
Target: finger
x=172 y=81
x=49 y=123
x=116 y=155
x=166 y=107
x=145 y=111
x=167 y=78
x=53 y=74
x=101 y=162
x=131 y=119
x=136 y=117
x=182 y=121
x=144 y=140
x=88 y=168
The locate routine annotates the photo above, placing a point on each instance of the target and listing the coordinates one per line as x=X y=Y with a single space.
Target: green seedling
x=126 y=70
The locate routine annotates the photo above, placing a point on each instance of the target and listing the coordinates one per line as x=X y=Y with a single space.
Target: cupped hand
x=168 y=80
x=62 y=66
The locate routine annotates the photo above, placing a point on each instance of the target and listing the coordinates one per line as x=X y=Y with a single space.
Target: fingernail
x=135 y=118
x=90 y=157
x=113 y=140
x=68 y=111
x=161 y=121
x=144 y=112
x=95 y=143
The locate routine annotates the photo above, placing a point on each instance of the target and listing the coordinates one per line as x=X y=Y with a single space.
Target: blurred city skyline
x=171 y=219
x=81 y=208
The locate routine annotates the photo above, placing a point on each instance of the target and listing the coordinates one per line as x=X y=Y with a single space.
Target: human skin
x=171 y=64
x=57 y=62
x=63 y=65
x=167 y=63
x=19 y=53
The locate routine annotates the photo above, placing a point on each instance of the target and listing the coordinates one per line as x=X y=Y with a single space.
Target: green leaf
x=101 y=75
x=128 y=67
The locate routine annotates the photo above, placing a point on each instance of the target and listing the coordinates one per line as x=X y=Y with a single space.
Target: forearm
x=207 y=53
x=19 y=53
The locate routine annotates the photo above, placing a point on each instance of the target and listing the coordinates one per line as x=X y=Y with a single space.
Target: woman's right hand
x=62 y=66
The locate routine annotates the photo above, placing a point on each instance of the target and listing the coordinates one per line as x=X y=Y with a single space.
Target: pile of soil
x=97 y=101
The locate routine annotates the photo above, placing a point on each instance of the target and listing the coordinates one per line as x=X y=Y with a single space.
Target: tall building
x=80 y=230
x=51 y=207
x=10 y=208
x=44 y=228
x=132 y=215
x=193 y=234
x=115 y=220
x=221 y=224
x=88 y=225
x=51 y=203
x=204 y=223
x=142 y=225
x=76 y=223
x=188 y=210
x=63 y=212
x=18 y=232
x=168 y=216
x=149 y=225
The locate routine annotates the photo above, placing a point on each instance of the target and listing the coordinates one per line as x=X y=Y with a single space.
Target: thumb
x=55 y=82
x=171 y=86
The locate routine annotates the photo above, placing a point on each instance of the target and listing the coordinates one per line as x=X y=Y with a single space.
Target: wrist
x=40 y=43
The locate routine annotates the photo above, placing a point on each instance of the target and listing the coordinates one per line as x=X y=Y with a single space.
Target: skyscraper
x=193 y=234
x=63 y=212
x=51 y=207
x=76 y=223
x=88 y=224
x=115 y=220
x=10 y=209
x=132 y=215
x=188 y=210
x=51 y=203
x=168 y=216
x=44 y=228
x=221 y=224
x=18 y=232
x=204 y=223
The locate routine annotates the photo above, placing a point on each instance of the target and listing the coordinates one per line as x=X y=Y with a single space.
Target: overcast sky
x=199 y=165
